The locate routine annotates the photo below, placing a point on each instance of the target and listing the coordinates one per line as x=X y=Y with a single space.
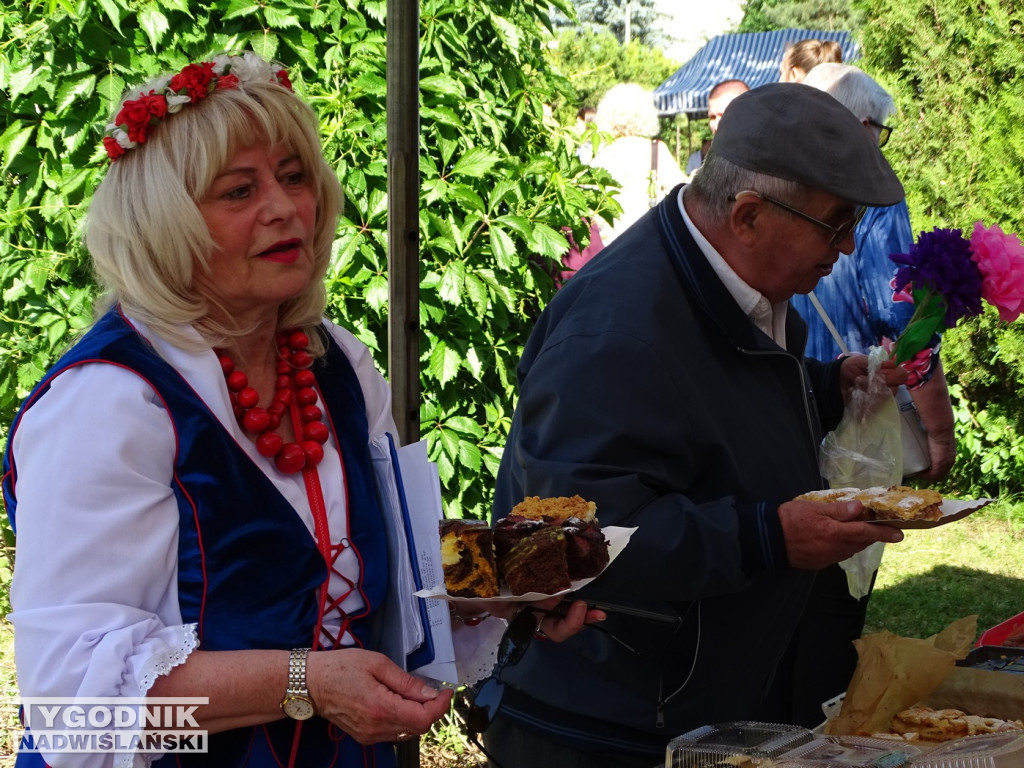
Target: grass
x=927 y=581
x=937 y=575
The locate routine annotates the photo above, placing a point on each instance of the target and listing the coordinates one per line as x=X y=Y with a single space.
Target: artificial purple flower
x=940 y=260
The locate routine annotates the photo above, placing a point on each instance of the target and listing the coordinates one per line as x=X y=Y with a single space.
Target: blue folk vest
x=249 y=572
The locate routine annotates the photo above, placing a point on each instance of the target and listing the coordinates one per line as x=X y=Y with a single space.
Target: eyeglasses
x=884 y=132
x=839 y=233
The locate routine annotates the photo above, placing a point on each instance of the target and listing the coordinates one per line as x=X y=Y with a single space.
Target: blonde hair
x=805 y=55
x=146 y=234
x=628 y=110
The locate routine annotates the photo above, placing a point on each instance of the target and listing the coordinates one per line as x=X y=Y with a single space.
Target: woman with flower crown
x=191 y=483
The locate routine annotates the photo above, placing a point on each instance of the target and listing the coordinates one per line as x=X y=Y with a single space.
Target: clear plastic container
x=843 y=751
x=990 y=750
x=734 y=745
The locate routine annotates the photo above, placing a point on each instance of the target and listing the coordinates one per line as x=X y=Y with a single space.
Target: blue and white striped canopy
x=753 y=57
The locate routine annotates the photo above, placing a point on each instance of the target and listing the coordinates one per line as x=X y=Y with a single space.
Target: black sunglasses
x=884 y=131
x=511 y=648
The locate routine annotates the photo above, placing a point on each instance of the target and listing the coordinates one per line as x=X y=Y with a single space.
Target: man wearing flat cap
x=666 y=382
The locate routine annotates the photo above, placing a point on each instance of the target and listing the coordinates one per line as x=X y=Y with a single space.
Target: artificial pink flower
x=1000 y=258
x=901 y=295
x=918 y=367
x=226 y=82
x=283 y=79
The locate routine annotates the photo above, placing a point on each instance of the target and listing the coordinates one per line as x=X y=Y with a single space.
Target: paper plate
x=952 y=510
x=617 y=537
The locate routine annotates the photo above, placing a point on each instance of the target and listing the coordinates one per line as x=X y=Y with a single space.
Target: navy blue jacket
x=646 y=389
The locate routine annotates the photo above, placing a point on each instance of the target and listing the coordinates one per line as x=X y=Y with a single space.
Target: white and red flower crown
x=167 y=95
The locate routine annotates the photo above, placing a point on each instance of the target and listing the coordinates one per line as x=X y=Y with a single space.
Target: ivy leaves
x=499 y=183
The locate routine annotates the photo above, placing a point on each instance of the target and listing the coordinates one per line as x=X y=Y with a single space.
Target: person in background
x=801 y=57
x=666 y=382
x=191 y=483
x=858 y=295
x=719 y=98
x=858 y=298
x=642 y=165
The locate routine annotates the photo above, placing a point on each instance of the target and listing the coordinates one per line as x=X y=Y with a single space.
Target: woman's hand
x=366 y=695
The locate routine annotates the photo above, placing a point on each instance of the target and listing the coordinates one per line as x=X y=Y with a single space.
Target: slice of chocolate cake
x=511 y=530
x=467 y=558
x=586 y=548
x=537 y=563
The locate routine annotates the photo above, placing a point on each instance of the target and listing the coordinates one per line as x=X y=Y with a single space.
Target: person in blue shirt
x=858 y=295
x=858 y=299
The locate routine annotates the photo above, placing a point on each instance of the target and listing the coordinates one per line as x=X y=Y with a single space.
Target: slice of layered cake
x=586 y=548
x=467 y=558
x=537 y=563
x=555 y=508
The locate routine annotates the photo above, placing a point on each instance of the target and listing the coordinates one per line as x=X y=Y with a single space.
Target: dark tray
x=997 y=658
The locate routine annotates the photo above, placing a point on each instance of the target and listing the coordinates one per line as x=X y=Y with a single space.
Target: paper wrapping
x=895 y=672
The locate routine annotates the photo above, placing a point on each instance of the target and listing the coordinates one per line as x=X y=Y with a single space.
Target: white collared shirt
x=768 y=317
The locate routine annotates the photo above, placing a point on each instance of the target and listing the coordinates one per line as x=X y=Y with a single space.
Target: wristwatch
x=297 y=703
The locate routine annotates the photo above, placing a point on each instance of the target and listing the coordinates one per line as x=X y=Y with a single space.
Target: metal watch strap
x=297 y=672
x=297 y=702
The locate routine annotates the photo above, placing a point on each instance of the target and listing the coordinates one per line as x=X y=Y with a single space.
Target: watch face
x=298 y=707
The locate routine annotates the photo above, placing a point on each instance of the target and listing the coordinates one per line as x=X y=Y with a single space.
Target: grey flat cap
x=796 y=132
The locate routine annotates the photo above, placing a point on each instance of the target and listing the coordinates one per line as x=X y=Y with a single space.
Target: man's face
x=716 y=107
x=796 y=253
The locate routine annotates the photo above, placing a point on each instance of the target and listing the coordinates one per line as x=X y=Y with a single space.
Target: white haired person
x=191 y=482
x=858 y=298
x=642 y=165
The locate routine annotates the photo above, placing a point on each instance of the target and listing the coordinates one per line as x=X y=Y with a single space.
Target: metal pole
x=403 y=20
x=403 y=215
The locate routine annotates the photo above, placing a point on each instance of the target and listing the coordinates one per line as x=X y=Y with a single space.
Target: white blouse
x=94 y=593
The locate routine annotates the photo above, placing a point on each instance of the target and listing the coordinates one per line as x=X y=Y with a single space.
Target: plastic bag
x=865 y=451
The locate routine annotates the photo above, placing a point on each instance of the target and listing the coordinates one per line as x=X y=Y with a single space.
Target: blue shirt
x=858 y=295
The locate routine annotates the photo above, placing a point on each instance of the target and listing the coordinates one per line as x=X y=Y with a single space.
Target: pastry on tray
x=927 y=724
x=897 y=502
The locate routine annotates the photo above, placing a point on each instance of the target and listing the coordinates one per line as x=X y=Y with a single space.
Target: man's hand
x=819 y=534
x=854 y=373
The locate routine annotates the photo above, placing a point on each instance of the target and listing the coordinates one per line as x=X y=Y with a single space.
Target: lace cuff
x=180 y=641
x=178 y=648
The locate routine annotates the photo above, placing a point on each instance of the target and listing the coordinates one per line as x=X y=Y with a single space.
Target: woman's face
x=261 y=212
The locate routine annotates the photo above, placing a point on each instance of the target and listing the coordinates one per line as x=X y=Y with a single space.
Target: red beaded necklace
x=295 y=392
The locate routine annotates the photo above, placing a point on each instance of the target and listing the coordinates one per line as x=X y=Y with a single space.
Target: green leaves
x=154 y=24
x=497 y=183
